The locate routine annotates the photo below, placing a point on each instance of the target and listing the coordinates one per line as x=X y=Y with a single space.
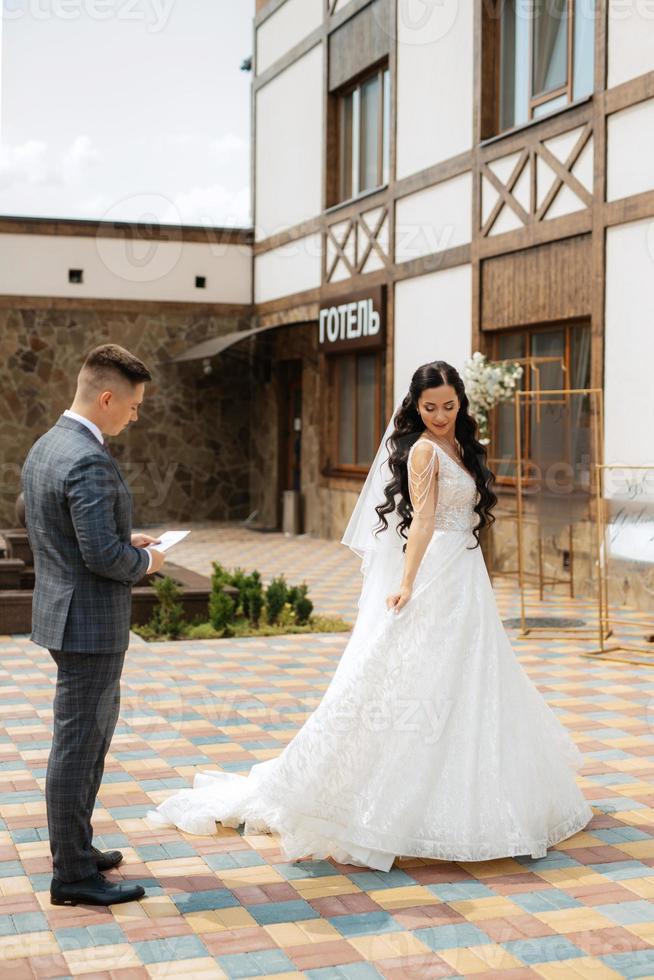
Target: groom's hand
x=141 y=540
x=158 y=559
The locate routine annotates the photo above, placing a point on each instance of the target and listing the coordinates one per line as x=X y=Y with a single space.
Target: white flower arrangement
x=487 y=384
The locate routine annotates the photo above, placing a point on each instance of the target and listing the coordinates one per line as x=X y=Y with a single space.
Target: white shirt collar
x=87 y=422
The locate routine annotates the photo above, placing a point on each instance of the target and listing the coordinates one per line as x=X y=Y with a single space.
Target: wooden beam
x=82 y=228
x=95 y=305
x=625 y=209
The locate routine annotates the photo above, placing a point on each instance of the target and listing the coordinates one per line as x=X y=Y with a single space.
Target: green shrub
x=302 y=605
x=168 y=615
x=276 y=597
x=239 y=580
x=221 y=610
x=250 y=611
x=220 y=576
x=253 y=604
x=251 y=597
x=245 y=609
x=286 y=618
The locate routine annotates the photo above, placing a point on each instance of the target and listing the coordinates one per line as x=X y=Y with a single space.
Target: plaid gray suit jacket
x=78 y=512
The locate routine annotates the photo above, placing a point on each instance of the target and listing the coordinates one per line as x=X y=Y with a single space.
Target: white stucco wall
x=289 y=269
x=117 y=268
x=280 y=32
x=434 y=87
x=629 y=344
x=289 y=146
x=432 y=322
x=630 y=151
x=630 y=40
x=434 y=219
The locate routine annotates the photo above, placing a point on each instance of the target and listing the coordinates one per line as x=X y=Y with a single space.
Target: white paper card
x=168 y=539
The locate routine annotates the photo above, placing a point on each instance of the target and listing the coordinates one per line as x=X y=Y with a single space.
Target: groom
x=78 y=512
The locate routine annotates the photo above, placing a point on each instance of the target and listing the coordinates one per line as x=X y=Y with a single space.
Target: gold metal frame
x=605 y=618
x=597 y=425
x=540 y=575
x=532 y=364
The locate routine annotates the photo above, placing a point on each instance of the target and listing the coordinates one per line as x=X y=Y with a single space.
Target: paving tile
x=542 y=949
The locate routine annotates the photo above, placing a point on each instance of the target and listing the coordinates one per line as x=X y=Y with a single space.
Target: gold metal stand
x=542 y=579
x=553 y=396
x=645 y=655
x=533 y=364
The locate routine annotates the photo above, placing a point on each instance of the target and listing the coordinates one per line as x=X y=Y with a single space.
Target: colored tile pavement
x=229 y=906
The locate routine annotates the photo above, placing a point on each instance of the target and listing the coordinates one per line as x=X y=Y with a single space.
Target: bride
x=431 y=740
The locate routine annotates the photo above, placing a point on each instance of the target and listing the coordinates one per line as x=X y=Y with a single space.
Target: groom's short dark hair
x=110 y=359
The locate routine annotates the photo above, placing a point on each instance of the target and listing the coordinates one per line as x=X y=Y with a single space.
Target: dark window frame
x=528 y=331
x=335 y=467
x=337 y=188
x=491 y=73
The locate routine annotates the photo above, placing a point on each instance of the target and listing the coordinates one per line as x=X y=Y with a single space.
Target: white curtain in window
x=550 y=45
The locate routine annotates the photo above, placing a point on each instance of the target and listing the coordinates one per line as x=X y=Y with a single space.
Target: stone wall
x=187 y=456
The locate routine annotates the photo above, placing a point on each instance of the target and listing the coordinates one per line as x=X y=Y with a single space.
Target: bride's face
x=438 y=408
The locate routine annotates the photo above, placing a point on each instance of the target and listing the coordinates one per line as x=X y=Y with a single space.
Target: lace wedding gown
x=430 y=740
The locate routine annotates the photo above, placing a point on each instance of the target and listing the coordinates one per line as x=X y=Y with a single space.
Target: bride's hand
x=399 y=599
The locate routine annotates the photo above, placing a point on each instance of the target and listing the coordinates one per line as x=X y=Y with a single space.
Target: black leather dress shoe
x=94 y=890
x=106 y=859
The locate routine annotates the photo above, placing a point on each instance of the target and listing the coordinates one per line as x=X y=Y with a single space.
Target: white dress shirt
x=87 y=422
x=98 y=435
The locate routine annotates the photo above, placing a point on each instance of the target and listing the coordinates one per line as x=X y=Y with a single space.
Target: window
x=553 y=358
x=357 y=383
x=538 y=57
x=363 y=115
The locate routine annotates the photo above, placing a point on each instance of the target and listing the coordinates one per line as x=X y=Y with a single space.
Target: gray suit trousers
x=86 y=706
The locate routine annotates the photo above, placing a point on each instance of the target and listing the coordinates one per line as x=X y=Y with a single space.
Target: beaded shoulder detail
x=421 y=465
x=449 y=494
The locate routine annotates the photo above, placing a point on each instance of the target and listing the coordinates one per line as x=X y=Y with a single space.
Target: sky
x=126 y=110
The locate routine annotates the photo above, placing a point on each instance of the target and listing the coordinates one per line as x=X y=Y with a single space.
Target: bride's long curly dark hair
x=409 y=426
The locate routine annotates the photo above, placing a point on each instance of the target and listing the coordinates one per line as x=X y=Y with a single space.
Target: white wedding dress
x=430 y=740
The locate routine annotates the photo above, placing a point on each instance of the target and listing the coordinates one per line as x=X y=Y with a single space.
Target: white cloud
x=27 y=163
x=32 y=163
x=210 y=205
x=205 y=206
x=80 y=156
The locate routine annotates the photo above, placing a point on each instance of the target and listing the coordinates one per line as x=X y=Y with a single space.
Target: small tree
x=220 y=576
x=252 y=598
x=221 y=610
x=221 y=605
x=238 y=580
x=168 y=615
x=302 y=605
x=276 y=597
